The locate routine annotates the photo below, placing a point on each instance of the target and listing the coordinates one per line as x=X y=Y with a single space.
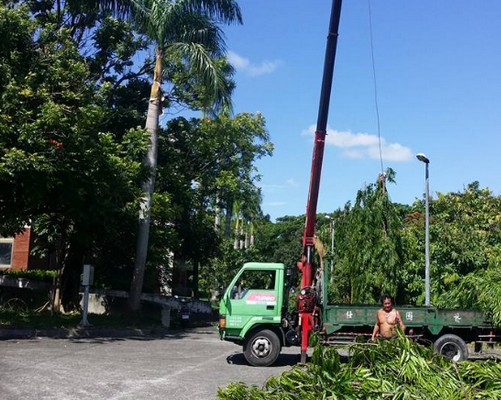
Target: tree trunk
x=57 y=281
x=196 y=269
x=70 y=279
x=152 y=120
x=229 y=217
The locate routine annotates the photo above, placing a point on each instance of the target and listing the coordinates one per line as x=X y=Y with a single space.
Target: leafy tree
x=368 y=245
x=466 y=231
x=65 y=168
x=197 y=160
x=412 y=271
x=465 y=249
x=217 y=273
x=233 y=145
x=280 y=241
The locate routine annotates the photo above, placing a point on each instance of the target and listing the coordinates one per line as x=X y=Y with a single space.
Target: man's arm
x=400 y=322
x=375 y=331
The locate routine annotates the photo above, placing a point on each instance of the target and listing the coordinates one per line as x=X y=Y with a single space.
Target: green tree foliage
x=217 y=273
x=281 y=241
x=465 y=249
x=466 y=233
x=65 y=167
x=379 y=247
x=73 y=95
x=199 y=162
x=234 y=144
x=368 y=250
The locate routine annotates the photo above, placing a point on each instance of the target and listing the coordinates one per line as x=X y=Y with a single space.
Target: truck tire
x=262 y=348
x=451 y=346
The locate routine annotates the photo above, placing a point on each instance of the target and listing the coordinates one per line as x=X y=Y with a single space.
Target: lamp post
x=421 y=157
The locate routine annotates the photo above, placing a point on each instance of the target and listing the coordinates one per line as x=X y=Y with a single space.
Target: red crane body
x=307 y=299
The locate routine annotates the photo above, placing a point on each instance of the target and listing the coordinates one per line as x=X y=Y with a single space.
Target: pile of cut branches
x=391 y=369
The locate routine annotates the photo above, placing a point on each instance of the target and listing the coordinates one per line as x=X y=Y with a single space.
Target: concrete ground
x=177 y=365
x=181 y=365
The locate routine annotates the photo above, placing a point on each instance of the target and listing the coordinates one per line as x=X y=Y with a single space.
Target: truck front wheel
x=262 y=348
x=451 y=346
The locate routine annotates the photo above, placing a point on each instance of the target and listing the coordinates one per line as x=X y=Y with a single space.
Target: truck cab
x=252 y=311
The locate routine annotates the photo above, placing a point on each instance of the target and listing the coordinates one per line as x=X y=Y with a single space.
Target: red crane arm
x=307 y=298
x=319 y=144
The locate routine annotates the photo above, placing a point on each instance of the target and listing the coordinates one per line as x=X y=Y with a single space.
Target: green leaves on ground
x=391 y=369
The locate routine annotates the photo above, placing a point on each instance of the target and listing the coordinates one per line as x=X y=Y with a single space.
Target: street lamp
x=421 y=157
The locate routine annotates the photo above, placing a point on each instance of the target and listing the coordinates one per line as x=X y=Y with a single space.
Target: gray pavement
x=180 y=365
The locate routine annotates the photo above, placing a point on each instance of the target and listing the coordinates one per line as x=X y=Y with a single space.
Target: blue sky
x=437 y=66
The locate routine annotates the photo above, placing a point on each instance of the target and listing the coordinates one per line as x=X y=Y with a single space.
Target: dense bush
x=35 y=274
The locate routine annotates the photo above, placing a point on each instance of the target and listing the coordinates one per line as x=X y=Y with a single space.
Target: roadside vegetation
x=14 y=314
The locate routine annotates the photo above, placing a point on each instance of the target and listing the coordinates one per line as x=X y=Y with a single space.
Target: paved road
x=184 y=365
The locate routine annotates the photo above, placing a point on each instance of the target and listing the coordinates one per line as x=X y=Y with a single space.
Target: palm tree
x=189 y=29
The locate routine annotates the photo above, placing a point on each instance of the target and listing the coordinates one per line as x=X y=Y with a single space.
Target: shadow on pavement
x=139 y=338
x=282 y=360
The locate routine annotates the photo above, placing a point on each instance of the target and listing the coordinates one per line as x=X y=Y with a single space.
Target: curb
x=99 y=332
x=77 y=333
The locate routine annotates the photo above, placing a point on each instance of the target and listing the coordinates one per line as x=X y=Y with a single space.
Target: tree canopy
x=71 y=160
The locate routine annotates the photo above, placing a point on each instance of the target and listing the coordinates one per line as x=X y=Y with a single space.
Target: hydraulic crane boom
x=306 y=303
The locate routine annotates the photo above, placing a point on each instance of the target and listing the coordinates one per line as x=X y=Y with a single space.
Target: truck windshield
x=253 y=280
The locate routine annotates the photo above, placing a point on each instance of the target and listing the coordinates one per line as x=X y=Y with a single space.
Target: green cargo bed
x=341 y=316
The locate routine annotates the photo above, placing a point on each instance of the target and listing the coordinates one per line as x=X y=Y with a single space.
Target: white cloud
x=243 y=64
x=275 y=188
x=272 y=188
x=275 y=203
x=280 y=188
x=364 y=145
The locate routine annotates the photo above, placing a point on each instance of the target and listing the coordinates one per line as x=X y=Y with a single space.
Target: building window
x=6 y=245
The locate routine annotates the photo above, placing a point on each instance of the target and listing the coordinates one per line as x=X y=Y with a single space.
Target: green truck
x=255 y=313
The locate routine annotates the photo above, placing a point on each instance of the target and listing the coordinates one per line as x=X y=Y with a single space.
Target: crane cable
x=375 y=90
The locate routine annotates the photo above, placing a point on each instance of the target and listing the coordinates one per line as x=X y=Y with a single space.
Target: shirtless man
x=387 y=319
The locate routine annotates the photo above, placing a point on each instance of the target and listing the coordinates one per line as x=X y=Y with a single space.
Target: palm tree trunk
x=150 y=161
